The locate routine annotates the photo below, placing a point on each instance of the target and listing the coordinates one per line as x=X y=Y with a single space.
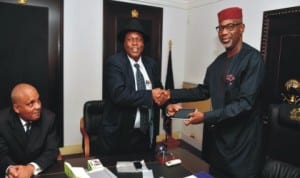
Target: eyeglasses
x=228 y=27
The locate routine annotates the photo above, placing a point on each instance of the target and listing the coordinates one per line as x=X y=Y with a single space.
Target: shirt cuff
x=6 y=171
x=166 y=112
x=37 y=168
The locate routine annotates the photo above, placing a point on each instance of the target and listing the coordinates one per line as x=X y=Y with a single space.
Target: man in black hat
x=131 y=83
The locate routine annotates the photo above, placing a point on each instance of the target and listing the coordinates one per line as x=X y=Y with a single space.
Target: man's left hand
x=160 y=96
x=194 y=118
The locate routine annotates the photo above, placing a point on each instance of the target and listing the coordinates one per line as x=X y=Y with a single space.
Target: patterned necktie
x=28 y=128
x=139 y=78
x=144 y=119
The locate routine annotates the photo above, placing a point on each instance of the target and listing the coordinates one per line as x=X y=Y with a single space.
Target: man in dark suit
x=28 y=140
x=123 y=129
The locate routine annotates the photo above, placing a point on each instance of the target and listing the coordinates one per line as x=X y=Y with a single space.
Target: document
x=131 y=166
x=183 y=114
x=80 y=172
x=103 y=173
x=74 y=172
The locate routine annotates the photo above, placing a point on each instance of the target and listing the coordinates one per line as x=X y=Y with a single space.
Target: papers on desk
x=129 y=166
x=200 y=175
x=80 y=172
x=74 y=172
x=104 y=173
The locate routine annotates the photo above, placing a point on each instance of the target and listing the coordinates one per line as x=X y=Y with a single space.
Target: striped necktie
x=144 y=115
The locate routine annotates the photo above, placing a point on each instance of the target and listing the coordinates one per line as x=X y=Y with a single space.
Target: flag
x=169 y=84
x=169 y=79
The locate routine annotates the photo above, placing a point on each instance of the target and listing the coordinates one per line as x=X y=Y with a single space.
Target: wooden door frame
x=277 y=25
x=55 y=58
x=114 y=11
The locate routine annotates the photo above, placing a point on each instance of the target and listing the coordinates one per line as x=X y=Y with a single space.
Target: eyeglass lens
x=228 y=27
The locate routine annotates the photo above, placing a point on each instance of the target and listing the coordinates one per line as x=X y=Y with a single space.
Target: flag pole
x=170 y=45
x=169 y=84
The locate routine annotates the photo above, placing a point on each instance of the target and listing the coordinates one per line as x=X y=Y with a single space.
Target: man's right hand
x=160 y=96
x=20 y=171
x=172 y=109
x=12 y=172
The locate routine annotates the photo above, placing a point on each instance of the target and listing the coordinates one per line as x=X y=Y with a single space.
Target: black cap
x=134 y=25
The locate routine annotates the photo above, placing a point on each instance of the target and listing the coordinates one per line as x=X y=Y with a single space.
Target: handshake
x=160 y=96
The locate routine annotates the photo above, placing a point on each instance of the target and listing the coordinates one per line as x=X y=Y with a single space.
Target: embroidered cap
x=230 y=13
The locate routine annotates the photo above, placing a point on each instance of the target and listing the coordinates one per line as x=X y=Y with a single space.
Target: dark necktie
x=139 y=78
x=144 y=121
x=28 y=128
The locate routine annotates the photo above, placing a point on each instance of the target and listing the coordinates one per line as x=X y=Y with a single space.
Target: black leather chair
x=89 y=125
x=283 y=142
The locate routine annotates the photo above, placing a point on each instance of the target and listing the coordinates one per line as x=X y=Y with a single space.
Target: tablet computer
x=183 y=113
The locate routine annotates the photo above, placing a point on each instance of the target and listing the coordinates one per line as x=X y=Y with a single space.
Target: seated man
x=28 y=140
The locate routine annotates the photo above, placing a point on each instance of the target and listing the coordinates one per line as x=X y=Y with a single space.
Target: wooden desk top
x=190 y=164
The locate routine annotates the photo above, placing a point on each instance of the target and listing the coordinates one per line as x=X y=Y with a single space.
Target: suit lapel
x=148 y=69
x=34 y=133
x=129 y=72
x=18 y=131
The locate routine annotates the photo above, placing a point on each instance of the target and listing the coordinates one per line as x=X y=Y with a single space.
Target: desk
x=190 y=164
x=158 y=169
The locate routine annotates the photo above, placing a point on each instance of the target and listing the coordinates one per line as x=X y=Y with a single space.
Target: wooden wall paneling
x=39 y=60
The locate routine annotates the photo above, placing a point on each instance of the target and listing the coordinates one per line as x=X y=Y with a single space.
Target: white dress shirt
x=147 y=80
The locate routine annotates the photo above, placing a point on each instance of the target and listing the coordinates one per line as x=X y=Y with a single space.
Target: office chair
x=89 y=125
x=283 y=142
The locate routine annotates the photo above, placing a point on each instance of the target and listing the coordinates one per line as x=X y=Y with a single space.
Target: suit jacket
x=121 y=100
x=15 y=148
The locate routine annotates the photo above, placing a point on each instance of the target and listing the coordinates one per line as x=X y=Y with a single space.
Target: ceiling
x=183 y=4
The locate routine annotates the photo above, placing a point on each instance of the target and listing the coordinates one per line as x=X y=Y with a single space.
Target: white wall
x=203 y=44
x=175 y=29
x=83 y=57
x=194 y=42
x=82 y=62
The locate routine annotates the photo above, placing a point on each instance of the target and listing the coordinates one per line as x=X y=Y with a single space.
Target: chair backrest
x=92 y=114
x=283 y=133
